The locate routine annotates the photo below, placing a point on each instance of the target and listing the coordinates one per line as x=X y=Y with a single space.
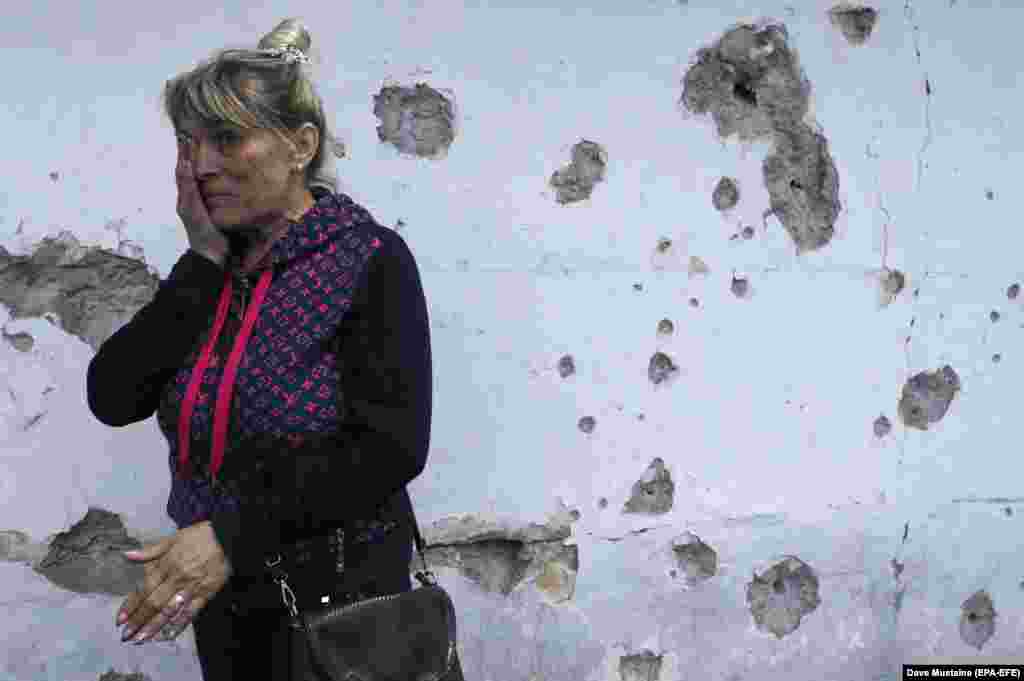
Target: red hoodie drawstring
x=221 y=411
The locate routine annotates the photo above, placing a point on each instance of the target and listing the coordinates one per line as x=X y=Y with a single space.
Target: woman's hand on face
x=182 y=573
x=203 y=236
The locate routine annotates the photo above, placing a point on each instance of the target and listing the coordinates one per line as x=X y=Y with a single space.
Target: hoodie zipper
x=245 y=287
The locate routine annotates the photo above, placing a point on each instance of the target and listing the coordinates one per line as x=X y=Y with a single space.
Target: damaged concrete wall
x=723 y=351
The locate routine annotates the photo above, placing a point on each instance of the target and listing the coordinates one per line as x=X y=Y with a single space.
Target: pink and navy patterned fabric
x=288 y=379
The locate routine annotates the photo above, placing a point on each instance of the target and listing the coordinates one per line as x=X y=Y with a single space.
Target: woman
x=299 y=429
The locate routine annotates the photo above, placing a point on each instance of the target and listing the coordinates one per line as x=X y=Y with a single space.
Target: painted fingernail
x=140 y=637
x=122 y=617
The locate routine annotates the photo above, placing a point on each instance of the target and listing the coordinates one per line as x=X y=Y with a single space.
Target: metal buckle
x=281 y=577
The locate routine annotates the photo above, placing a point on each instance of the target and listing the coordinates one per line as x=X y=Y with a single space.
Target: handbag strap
x=416 y=536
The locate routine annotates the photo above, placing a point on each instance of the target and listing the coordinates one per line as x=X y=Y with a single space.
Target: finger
x=173 y=629
x=129 y=611
x=173 y=610
x=175 y=618
x=180 y=622
x=149 y=609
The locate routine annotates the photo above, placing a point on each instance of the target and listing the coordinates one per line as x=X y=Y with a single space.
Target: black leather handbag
x=407 y=636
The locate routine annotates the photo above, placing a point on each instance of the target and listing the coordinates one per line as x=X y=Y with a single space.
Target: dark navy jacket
x=328 y=417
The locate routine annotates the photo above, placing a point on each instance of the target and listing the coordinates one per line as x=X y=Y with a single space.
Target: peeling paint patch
x=499 y=565
x=661 y=368
x=89 y=292
x=17 y=547
x=891 y=283
x=576 y=181
x=745 y=81
x=22 y=342
x=926 y=397
x=654 y=492
x=112 y=675
x=642 y=666
x=803 y=186
x=419 y=121
x=752 y=85
x=696 y=267
x=665 y=327
x=726 y=194
x=977 y=620
x=782 y=596
x=740 y=287
x=1012 y=291
x=87 y=557
x=697 y=560
x=856 y=23
x=566 y=366
x=882 y=426
x=587 y=424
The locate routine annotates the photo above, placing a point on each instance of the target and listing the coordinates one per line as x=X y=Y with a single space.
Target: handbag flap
x=409 y=636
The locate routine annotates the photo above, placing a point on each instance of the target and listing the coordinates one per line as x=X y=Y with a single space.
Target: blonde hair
x=249 y=88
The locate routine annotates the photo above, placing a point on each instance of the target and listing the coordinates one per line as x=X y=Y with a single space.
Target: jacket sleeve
x=125 y=376
x=285 y=492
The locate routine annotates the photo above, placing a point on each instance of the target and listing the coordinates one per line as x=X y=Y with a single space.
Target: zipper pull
x=244 y=286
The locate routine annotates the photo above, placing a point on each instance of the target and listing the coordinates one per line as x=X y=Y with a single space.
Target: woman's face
x=246 y=177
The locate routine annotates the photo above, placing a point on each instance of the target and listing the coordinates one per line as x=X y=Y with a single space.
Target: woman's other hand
x=191 y=563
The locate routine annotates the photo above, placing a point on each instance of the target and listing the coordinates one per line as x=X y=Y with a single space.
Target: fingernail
x=122 y=617
x=140 y=637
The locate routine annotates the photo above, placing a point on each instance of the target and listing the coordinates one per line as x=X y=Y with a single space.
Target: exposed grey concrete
x=661 y=368
x=697 y=560
x=642 y=666
x=22 y=342
x=926 y=397
x=740 y=287
x=653 y=493
x=882 y=426
x=17 y=547
x=697 y=267
x=117 y=676
x=93 y=291
x=977 y=620
x=419 y=121
x=891 y=283
x=87 y=558
x=575 y=182
x=726 y=194
x=803 y=186
x=751 y=84
x=856 y=22
x=782 y=595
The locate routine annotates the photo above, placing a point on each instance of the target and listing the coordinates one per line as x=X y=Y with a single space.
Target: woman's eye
x=227 y=136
